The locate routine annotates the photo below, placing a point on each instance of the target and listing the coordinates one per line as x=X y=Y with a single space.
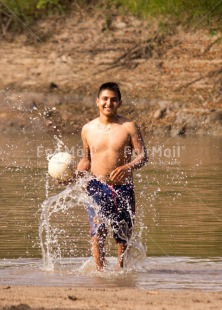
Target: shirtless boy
x=108 y=142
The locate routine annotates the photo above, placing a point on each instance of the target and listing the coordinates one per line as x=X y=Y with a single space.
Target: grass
x=181 y=10
x=172 y=7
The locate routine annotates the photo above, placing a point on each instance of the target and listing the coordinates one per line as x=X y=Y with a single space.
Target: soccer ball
x=62 y=166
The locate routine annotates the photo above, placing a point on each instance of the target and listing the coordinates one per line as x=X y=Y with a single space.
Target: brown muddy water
x=178 y=219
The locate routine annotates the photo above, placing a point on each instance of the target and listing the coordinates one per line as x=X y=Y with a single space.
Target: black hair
x=110 y=86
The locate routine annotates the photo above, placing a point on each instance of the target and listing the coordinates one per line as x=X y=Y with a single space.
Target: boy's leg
x=103 y=197
x=98 y=249
x=123 y=227
x=121 y=248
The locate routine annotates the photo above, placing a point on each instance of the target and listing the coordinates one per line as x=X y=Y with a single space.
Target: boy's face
x=108 y=102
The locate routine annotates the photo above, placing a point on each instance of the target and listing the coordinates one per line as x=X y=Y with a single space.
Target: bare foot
x=121 y=248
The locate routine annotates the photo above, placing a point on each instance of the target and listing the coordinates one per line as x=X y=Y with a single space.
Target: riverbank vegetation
x=14 y=13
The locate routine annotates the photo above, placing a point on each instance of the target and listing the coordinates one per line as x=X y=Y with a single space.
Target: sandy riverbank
x=25 y=298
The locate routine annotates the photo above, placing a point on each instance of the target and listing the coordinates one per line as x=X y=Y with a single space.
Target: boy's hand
x=120 y=173
x=69 y=182
x=77 y=174
x=65 y=183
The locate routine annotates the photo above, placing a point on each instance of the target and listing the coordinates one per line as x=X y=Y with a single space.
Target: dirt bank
x=171 y=78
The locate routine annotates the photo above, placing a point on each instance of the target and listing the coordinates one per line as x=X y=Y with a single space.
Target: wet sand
x=30 y=297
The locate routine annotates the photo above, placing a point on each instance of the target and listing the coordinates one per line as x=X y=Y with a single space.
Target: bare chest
x=112 y=140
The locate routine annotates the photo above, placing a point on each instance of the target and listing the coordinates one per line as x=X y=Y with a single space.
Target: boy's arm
x=140 y=150
x=138 y=147
x=85 y=162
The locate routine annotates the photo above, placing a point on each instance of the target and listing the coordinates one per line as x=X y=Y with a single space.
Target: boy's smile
x=108 y=102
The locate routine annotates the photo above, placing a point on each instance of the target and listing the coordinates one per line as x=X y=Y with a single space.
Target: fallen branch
x=209 y=74
x=211 y=45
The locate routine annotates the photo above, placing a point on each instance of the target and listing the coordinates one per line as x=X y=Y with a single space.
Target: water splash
x=60 y=145
x=73 y=196
x=135 y=255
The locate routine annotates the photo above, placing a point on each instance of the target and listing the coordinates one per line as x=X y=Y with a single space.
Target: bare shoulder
x=89 y=125
x=129 y=124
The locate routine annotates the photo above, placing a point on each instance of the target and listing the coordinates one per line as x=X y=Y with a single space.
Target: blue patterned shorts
x=116 y=205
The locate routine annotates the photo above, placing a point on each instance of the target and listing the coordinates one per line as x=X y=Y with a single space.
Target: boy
x=108 y=142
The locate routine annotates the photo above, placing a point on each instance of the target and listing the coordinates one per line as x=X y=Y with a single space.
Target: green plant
x=185 y=11
x=50 y=5
x=172 y=7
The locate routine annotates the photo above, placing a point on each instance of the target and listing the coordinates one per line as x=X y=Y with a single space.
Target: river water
x=178 y=220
